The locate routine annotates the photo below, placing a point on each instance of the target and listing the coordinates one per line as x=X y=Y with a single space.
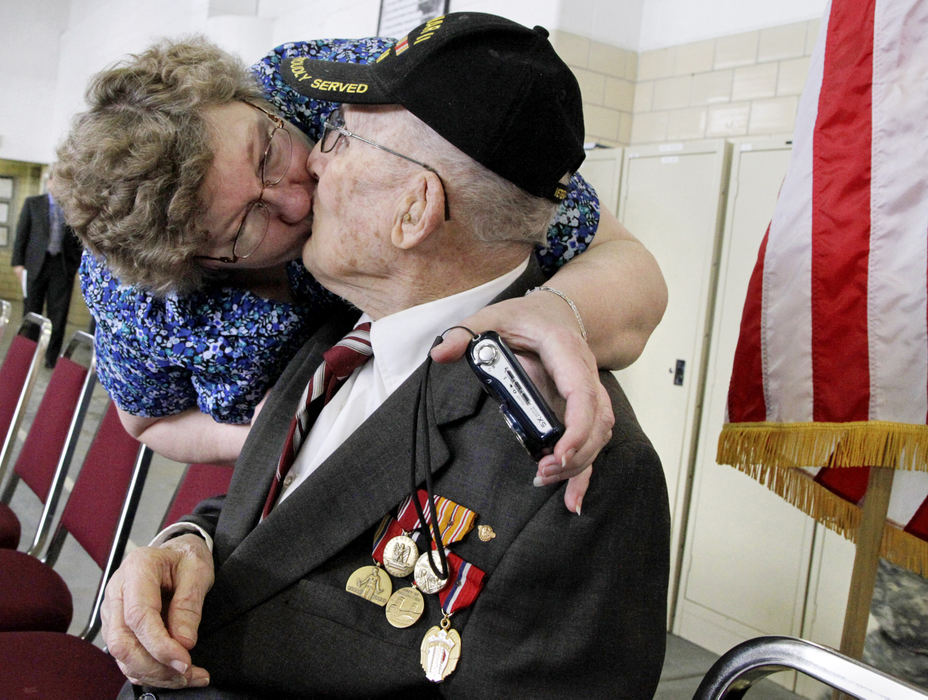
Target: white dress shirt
x=400 y=342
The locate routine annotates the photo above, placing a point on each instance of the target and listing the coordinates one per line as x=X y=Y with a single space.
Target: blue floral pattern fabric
x=221 y=349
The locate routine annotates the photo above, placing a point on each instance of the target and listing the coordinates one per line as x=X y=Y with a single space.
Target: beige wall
x=744 y=84
x=607 y=77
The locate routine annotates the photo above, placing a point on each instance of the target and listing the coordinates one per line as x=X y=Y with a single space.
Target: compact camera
x=520 y=402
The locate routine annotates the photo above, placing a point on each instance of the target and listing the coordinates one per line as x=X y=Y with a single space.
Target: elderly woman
x=193 y=273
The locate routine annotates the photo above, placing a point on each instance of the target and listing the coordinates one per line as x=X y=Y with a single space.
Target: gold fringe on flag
x=797 y=488
x=870 y=443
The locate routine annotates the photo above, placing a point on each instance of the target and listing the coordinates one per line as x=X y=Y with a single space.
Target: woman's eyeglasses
x=274 y=165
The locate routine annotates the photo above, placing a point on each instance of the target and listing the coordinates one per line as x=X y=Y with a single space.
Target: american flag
x=831 y=369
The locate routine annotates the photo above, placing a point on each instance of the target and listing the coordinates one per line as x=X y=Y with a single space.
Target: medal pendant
x=405 y=607
x=400 y=555
x=440 y=651
x=371 y=583
x=425 y=578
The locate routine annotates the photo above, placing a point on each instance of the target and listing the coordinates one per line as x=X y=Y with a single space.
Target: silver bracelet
x=570 y=303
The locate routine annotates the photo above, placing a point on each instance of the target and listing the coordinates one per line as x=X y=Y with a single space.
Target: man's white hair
x=491 y=207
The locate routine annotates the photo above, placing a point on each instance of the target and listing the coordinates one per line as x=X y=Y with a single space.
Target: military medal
x=405 y=607
x=441 y=645
x=395 y=552
x=426 y=580
x=454 y=522
x=444 y=522
x=371 y=583
x=440 y=651
x=400 y=555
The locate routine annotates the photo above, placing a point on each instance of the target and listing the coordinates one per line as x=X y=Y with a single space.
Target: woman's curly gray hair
x=130 y=170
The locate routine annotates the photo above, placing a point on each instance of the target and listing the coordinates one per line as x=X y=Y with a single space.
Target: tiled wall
x=738 y=85
x=606 y=75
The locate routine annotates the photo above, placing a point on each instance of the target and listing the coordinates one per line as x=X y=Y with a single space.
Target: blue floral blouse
x=220 y=349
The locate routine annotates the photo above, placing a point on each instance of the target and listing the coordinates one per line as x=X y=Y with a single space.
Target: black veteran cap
x=493 y=88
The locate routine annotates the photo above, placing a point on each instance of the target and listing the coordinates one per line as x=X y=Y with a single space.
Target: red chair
x=98 y=515
x=17 y=377
x=55 y=666
x=48 y=449
x=200 y=481
x=81 y=670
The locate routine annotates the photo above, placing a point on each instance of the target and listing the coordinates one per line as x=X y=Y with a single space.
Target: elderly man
x=320 y=580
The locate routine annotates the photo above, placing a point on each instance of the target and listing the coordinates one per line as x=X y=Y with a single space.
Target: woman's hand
x=549 y=332
x=619 y=293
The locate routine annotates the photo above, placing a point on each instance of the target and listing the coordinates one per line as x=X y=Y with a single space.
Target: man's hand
x=151 y=644
x=529 y=325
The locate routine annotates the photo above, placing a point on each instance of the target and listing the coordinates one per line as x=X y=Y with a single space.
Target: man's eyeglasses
x=274 y=165
x=334 y=128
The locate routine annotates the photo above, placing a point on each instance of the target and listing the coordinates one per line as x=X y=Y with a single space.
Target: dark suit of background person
x=573 y=606
x=49 y=272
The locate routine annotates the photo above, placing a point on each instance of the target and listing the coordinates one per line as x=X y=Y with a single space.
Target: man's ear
x=421 y=211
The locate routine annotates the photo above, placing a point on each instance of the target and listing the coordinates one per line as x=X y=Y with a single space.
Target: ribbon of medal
x=454 y=520
x=441 y=645
x=400 y=555
x=395 y=552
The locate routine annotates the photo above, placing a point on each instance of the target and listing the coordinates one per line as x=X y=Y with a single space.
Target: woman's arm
x=185 y=373
x=189 y=436
x=619 y=291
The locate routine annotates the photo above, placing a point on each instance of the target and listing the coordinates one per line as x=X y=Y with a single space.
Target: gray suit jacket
x=573 y=606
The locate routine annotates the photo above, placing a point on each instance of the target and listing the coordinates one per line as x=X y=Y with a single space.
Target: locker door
x=747 y=551
x=603 y=169
x=671 y=200
x=826 y=599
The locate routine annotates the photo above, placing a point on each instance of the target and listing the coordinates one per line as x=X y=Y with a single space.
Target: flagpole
x=866 y=559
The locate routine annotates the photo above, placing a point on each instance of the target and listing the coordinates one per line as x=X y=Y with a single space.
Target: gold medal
x=399 y=556
x=440 y=651
x=426 y=580
x=371 y=583
x=405 y=607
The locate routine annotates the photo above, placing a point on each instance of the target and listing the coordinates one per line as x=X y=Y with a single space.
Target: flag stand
x=866 y=559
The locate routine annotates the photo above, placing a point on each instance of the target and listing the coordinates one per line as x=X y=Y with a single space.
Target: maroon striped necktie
x=338 y=363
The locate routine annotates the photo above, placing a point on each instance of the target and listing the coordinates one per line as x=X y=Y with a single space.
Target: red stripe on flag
x=841 y=218
x=848 y=482
x=746 y=389
x=918 y=525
